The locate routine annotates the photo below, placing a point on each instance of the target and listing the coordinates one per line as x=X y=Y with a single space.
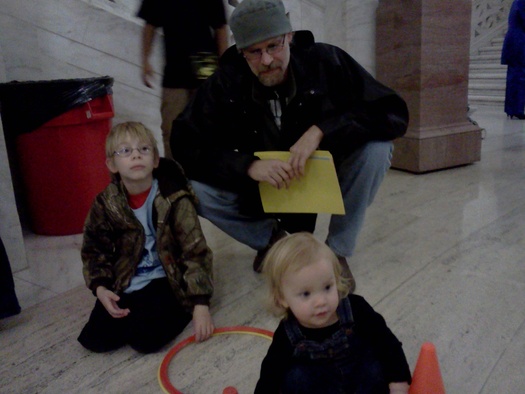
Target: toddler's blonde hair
x=294 y=252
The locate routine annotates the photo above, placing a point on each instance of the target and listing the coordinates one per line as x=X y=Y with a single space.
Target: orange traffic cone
x=427 y=376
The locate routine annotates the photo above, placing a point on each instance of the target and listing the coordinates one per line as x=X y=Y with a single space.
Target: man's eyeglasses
x=254 y=55
x=126 y=151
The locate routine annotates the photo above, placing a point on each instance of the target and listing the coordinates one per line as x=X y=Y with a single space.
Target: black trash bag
x=25 y=106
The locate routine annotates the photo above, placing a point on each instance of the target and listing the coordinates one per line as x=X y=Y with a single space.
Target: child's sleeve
x=275 y=364
x=97 y=250
x=196 y=255
x=389 y=349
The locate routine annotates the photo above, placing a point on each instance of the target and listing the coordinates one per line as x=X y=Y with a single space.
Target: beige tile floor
x=441 y=256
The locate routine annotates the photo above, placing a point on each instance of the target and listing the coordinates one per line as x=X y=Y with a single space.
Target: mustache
x=272 y=66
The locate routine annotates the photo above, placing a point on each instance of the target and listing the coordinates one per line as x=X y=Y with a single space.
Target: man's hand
x=280 y=174
x=303 y=149
x=109 y=300
x=148 y=35
x=202 y=323
x=276 y=172
x=147 y=74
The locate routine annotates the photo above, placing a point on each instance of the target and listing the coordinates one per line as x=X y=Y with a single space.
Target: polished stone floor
x=441 y=256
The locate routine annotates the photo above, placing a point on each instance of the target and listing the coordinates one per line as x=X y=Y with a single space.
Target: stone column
x=422 y=51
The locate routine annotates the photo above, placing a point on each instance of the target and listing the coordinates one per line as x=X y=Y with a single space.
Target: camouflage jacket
x=114 y=239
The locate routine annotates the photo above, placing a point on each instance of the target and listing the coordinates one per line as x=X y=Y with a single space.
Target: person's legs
x=173 y=103
x=102 y=332
x=515 y=90
x=360 y=176
x=9 y=305
x=297 y=222
x=156 y=317
x=221 y=207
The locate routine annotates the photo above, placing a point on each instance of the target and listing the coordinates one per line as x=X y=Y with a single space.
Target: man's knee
x=373 y=158
x=377 y=154
x=213 y=201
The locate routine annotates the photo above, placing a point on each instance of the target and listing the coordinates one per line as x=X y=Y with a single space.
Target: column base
x=437 y=148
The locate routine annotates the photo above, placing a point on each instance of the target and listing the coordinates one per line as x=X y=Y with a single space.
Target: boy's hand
x=202 y=323
x=109 y=300
x=398 y=387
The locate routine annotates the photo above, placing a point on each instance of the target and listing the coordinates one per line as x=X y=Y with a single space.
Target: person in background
x=9 y=305
x=144 y=255
x=328 y=341
x=195 y=34
x=513 y=55
x=279 y=91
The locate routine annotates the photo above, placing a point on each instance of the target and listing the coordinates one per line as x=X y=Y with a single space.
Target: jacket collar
x=170 y=176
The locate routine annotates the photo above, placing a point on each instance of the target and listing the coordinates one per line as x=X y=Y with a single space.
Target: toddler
x=328 y=341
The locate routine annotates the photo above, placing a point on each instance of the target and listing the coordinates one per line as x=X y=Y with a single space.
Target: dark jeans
x=362 y=375
x=155 y=318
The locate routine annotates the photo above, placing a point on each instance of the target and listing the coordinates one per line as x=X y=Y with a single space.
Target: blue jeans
x=360 y=176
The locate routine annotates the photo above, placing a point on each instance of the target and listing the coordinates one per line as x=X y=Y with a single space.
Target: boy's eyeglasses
x=126 y=151
x=254 y=55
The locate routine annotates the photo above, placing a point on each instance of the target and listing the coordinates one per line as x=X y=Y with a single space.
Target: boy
x=144 y=255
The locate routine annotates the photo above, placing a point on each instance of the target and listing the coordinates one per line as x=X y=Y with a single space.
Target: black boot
x=346 y=273
x=277 y=234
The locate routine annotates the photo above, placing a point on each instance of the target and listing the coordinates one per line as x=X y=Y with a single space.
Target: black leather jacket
x=215 y=137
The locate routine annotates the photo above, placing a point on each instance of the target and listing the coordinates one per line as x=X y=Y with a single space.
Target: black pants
x=8 y=302
x=155 y=318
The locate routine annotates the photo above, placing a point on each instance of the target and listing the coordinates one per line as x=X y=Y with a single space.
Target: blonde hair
x=133 y=130
x=294 y=252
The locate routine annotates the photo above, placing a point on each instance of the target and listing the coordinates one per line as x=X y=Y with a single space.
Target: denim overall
x=343 y=363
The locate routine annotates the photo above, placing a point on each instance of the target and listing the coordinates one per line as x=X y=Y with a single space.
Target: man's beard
x=272 y=79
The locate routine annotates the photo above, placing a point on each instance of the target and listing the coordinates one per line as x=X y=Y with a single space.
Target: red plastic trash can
x=63 y=166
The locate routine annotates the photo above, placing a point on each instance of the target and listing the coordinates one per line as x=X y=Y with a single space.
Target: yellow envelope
x=317 y=191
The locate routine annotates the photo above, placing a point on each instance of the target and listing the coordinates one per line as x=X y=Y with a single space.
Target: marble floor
x=441 y=256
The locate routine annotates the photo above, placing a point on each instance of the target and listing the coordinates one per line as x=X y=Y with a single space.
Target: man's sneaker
x=346 y=273
x=277 y=234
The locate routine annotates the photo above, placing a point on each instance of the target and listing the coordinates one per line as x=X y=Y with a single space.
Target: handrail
x=489 y=20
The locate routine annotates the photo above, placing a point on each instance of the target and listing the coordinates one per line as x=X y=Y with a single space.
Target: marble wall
x=10 y=228
x=65 y=39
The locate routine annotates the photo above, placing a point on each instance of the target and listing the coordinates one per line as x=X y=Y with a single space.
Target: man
x=280 y=91
x=195 y=32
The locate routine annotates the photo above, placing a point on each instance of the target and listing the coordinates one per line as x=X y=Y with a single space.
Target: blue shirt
x=150 y=266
